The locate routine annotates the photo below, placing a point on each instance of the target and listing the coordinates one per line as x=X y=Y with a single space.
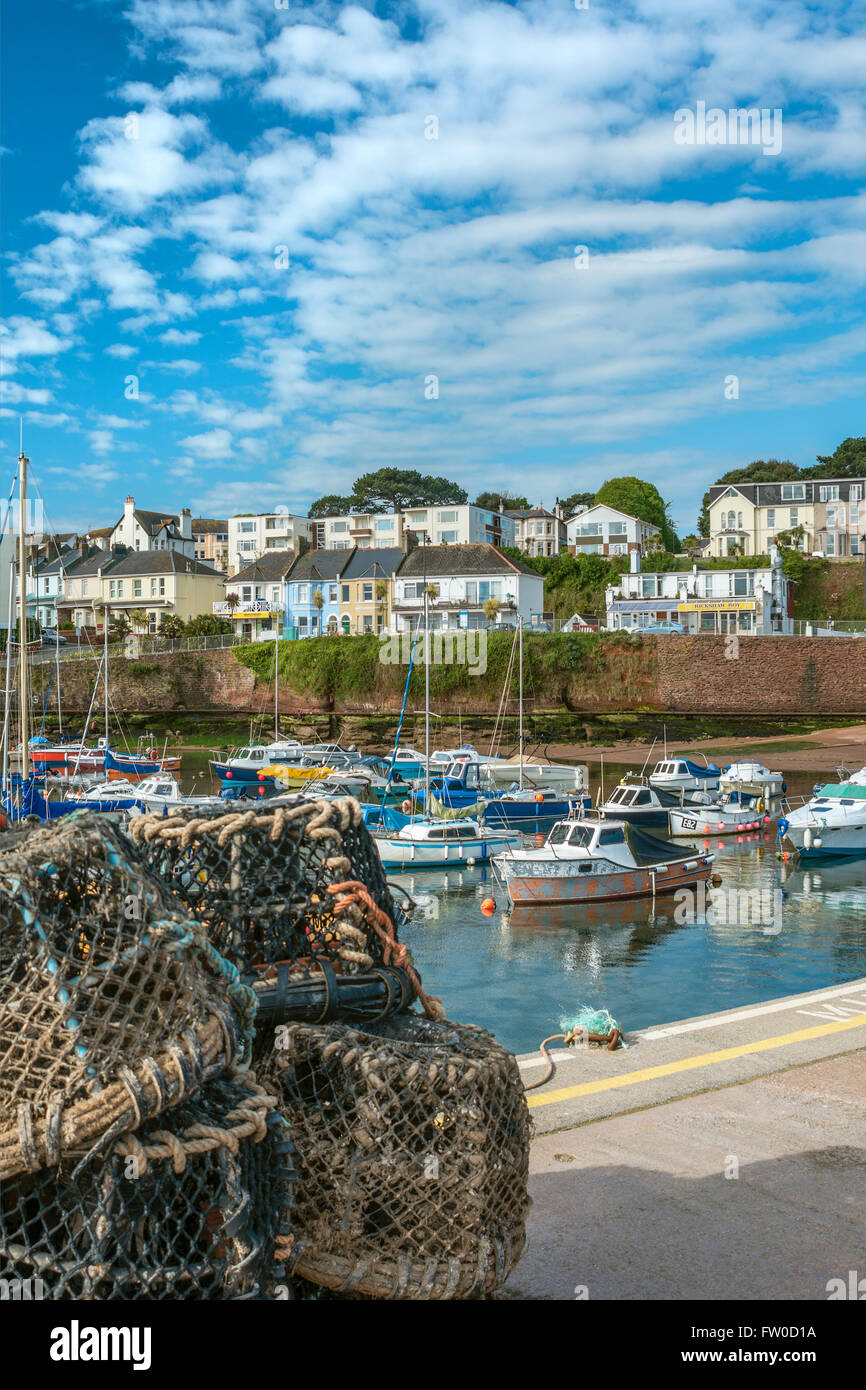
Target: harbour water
x=778 y=930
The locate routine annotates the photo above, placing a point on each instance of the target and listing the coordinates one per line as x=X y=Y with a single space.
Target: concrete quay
x=721 y=1157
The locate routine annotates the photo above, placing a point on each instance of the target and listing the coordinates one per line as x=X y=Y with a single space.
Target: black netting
x=115 y=1005
x=260 y=880
x=196 y=1204
x=412 y=1144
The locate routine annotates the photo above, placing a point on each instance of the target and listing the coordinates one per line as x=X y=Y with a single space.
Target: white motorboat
x=735 y=814
x=162 y=793
x=598 y=860
x=444 y=757
x=429 y=842
x=537 y=773
x=681 y=774
x=751 y=777
x=833 y=822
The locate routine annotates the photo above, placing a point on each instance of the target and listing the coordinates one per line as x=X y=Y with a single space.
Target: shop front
x=719 y=615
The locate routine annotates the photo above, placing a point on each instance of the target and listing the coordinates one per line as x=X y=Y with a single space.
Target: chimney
x=634 y=557
x=501 y=505
x=129 y=505
x=186 y=524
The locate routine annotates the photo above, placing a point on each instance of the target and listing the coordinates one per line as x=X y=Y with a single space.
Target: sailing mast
x=8 y=705
x=22 y=609
x=276 y=691
x=105 y=613
x=520 y=716
x=426 y=693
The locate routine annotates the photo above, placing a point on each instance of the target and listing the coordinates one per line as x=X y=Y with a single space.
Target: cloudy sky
x=255 y=247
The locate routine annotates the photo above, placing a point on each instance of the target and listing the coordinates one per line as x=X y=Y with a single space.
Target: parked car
x=666 y=626
x=52 y=638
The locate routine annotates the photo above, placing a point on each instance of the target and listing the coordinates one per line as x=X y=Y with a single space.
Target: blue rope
x=402 y=713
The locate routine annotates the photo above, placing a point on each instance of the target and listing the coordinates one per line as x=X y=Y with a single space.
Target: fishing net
x=301 y=883
x=194 y=1204
x=411 y=1143
x=114 y=1005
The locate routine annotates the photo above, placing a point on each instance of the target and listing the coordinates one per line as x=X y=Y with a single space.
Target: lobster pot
x=194 y=1205
x=412 y=1147
x=113 y=1004
x=264 y=881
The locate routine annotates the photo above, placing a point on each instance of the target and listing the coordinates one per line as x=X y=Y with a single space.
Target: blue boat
x=463 y=785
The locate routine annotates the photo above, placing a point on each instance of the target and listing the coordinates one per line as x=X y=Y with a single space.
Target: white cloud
x=179 y=337
x=214 y=444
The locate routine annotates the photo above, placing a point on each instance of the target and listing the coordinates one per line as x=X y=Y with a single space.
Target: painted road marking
x=708 y=1059
x=794 y=1003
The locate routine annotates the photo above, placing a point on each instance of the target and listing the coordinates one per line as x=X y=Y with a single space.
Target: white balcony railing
x=223 y=609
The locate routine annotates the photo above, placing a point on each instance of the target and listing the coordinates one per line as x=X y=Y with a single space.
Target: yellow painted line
x=707 y=1059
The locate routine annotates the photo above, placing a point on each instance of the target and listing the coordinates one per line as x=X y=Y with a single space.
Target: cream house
x=158 y=582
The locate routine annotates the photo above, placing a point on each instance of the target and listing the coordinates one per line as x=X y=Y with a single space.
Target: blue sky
x=164 y=159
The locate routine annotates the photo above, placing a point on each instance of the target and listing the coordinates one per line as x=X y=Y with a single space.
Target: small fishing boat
x=832 y=823
x=132 y=767
x=596 y=861
x=682 y=774
x=464 y=785
x=66 y=757
x=735 y=814
x=247 y=763
x=751 y=777
x=638 y=803
x=466 y=753
x=427 y=842
x=538 y=773
x=406 y=763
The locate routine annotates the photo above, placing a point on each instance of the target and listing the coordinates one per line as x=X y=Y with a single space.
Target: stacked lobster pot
x=410 y=1133
x=139 y=1156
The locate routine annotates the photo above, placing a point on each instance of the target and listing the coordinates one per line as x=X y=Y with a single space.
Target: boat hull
x=524 y=889
x=420 y=855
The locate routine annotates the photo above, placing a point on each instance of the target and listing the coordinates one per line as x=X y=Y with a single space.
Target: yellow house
x=159 y=582
x=367 y=589
x=745 y=518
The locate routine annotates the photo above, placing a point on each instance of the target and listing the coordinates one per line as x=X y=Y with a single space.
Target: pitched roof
x=205 y=525
x=155 y=521
x=274 y=564
x=477 y=558
x=524 y=513
x=96 y=559
x=320 y=564
x=162 y=562
x=581 y=516
x=374 y=563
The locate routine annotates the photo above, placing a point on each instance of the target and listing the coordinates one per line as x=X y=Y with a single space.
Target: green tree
x=490 y=501
x=638 y=498
x=138 y=619
x=170 y=625
x=491 y=609
x=577 y=499
x=207 y=625
x=848 y=460
x=332 y=504
x=397 y=488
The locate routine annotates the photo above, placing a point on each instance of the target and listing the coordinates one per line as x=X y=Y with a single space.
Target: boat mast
x=105 y=613
x=22 y=631
x=276 y=691
x=426 y=693
x=520 y=716
x=8 y=703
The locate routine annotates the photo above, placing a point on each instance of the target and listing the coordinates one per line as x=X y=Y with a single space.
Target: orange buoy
x=539 y=796
x=488 y=907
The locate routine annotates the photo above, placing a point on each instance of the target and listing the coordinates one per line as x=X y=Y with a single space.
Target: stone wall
x=702 y=675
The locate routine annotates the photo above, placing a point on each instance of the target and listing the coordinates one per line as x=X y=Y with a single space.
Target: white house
x=463 y=524
x=141 y=530
x=463 y=578
x=602 y=530
x=252 y=535
x=740 y=601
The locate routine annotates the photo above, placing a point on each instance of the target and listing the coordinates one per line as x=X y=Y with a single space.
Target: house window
x=794 y=516
x=829 y=492
x=793 y=492
x=831 y=516
x=303 y=593
x=741 y=583
x=385 y=524
x=332 y=593
x=339 y=526
x=855 y=492
x=162 y=588
x=854 y=516
x=447 y=538
x=136 y=588
x=830 y=545
x=84 y=588
x=771 y=518
x=153 y=588
x=590 y=528
x=368 y=622
x=111 y=589
x=368 y=593
x=446 y=516
x=345 y=593
x=616 y=528
x=246 y=526
x=855 y=545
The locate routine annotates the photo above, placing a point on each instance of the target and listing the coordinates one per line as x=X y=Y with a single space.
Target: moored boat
x=597 y=860
x=832 y=823
x=426 y=842
x=682 y=774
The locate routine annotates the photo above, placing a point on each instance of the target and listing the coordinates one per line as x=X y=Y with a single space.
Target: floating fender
x=807 y=838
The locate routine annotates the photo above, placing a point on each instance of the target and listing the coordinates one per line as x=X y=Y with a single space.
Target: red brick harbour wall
x=700 y=675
